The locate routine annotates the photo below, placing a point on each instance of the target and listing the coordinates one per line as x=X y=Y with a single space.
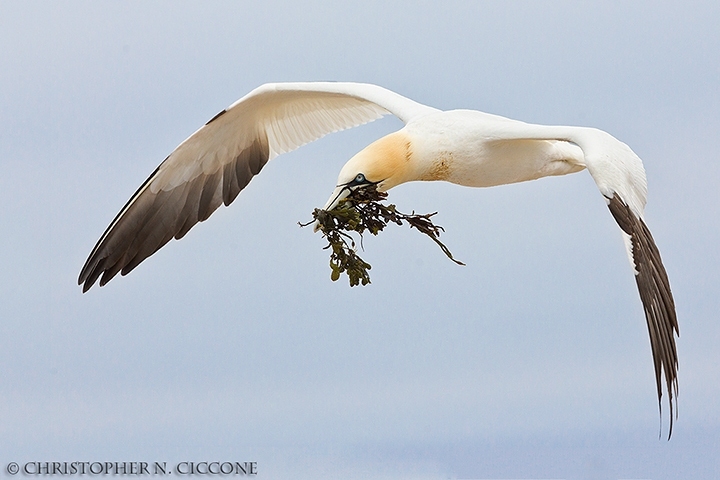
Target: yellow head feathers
x=387 y=162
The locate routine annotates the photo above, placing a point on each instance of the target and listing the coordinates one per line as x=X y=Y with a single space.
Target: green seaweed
x=362 y=212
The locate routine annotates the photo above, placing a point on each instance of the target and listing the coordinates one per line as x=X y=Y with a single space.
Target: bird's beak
x=340 y=192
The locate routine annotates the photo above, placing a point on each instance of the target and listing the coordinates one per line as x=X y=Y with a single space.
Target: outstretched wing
x=657 y=299
x=216 y=162
x=620 y=176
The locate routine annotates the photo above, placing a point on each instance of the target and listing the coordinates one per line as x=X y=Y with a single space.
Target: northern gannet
x=465 y=147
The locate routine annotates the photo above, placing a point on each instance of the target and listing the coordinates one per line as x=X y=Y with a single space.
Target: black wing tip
x=84 y=277
x=673 y=404
x=156 y=218
x=86 y=286
x=88 y=277
x=219 y=114
x=657 y=299
x=85 y=283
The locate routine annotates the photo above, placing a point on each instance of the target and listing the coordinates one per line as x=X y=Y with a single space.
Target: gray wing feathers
x=237 y=174
x=150 y=220
x=215 y=163
x=657 y=300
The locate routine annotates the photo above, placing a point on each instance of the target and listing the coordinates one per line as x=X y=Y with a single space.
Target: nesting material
x=362 y=212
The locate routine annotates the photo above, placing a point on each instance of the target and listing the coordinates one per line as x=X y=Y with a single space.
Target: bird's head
x=384 y=163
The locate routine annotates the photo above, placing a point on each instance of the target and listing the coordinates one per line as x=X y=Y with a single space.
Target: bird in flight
x=466 y=147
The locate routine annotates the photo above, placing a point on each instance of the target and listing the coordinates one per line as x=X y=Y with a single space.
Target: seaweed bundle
x=362 y=212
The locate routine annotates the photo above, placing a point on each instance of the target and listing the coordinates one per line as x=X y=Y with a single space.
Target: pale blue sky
x=532 y=361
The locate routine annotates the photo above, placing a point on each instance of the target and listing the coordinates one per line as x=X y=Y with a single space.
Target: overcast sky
x=533 y=361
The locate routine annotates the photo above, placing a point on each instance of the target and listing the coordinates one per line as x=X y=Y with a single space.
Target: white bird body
x=470 y=148
x=465 y=147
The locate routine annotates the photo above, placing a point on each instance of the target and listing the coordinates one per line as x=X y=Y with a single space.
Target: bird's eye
x=359 y=179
